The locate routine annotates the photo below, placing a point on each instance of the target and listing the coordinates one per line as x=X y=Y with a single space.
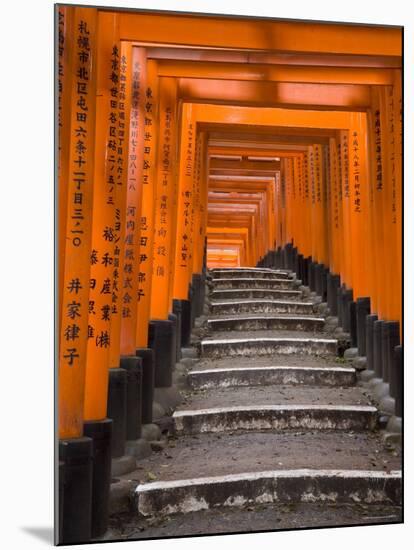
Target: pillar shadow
x=44 y=534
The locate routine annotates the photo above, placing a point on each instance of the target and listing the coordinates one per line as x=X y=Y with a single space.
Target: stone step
x=256 y=283
x=268 y=375
x=267 y=322
x=210 y=454
x=275 y=407
x=271 y=486
x=263 y=344
x=251 y=273
x=212 y=470
x=276 y=417
x=234 y=293
x=261 y=306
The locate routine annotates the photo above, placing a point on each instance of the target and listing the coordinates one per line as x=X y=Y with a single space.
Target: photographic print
x=229 y=322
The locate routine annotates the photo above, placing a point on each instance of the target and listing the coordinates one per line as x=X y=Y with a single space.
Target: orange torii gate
x=136 y=143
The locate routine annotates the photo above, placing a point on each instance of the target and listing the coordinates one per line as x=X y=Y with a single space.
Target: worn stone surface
x=387 y=405
x=276 y=486
x=267 y=322
x=168 y=398
x=140 y=448
x=276 y=417
x=257 y=305
x=121 y=496
x=123 y=465
x=231 y=294
x=359 y=363
x=263 y=376
x=394 y=425
x=298 y=440
x=367 y=375
x=251 y=273
x=150 y=432
x=351 y=353
x=158 y=446
x=249 y=283
x=254 y=343
x=251 y=518
x=274 y=395
x=211 y=454
x=189 y=353
x=158 y=410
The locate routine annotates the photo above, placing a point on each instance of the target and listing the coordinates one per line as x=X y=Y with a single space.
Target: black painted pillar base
x=190 y=295
x=279 y=258
x=147 y=356
x=378 y=348
x=100 y=431
x=385 y=342
x=347 y=296
x=273 y=260
x=299 y=273
x=306 y=268
x=177 y=312
x=133 y=367
x=75 y=492
x=117 y=409
x=295 y=260
x=333 y=283
x=288 y=256
x=369 y=337
x=396 y=379
x=325 y=284
x=340 y=305
x=202 y=294
x=196 y=301
x=185 y=323
x=311 y=275
x=353 y=324
x=319 y=273
x=173 y=318
x=161 y=340
x=363 y=308
x=391 y=342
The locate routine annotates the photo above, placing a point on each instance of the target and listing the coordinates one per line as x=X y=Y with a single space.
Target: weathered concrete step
x=252 y=273
x=257 y=283
x=277 y=394
x=267 y=322
x=261 y=306
x=276 y=417
x=216 y=348
x=264 y=376
x=246 y=293
x=277 y=360
x=301 y=485
x=211 y=454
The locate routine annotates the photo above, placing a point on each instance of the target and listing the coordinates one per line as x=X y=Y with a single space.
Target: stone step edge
x=250 y=279
x=271 y=408
x=350 y=370
x=267 y=318
x=266 y=340
x=255 y=269
x=275 y=290
x=297 y=485
x=259 y=301
x=275 y=417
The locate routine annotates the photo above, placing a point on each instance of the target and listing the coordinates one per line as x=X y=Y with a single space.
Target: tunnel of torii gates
x=189 y=142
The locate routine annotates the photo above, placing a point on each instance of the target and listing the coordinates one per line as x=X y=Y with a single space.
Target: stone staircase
x=271 y=417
